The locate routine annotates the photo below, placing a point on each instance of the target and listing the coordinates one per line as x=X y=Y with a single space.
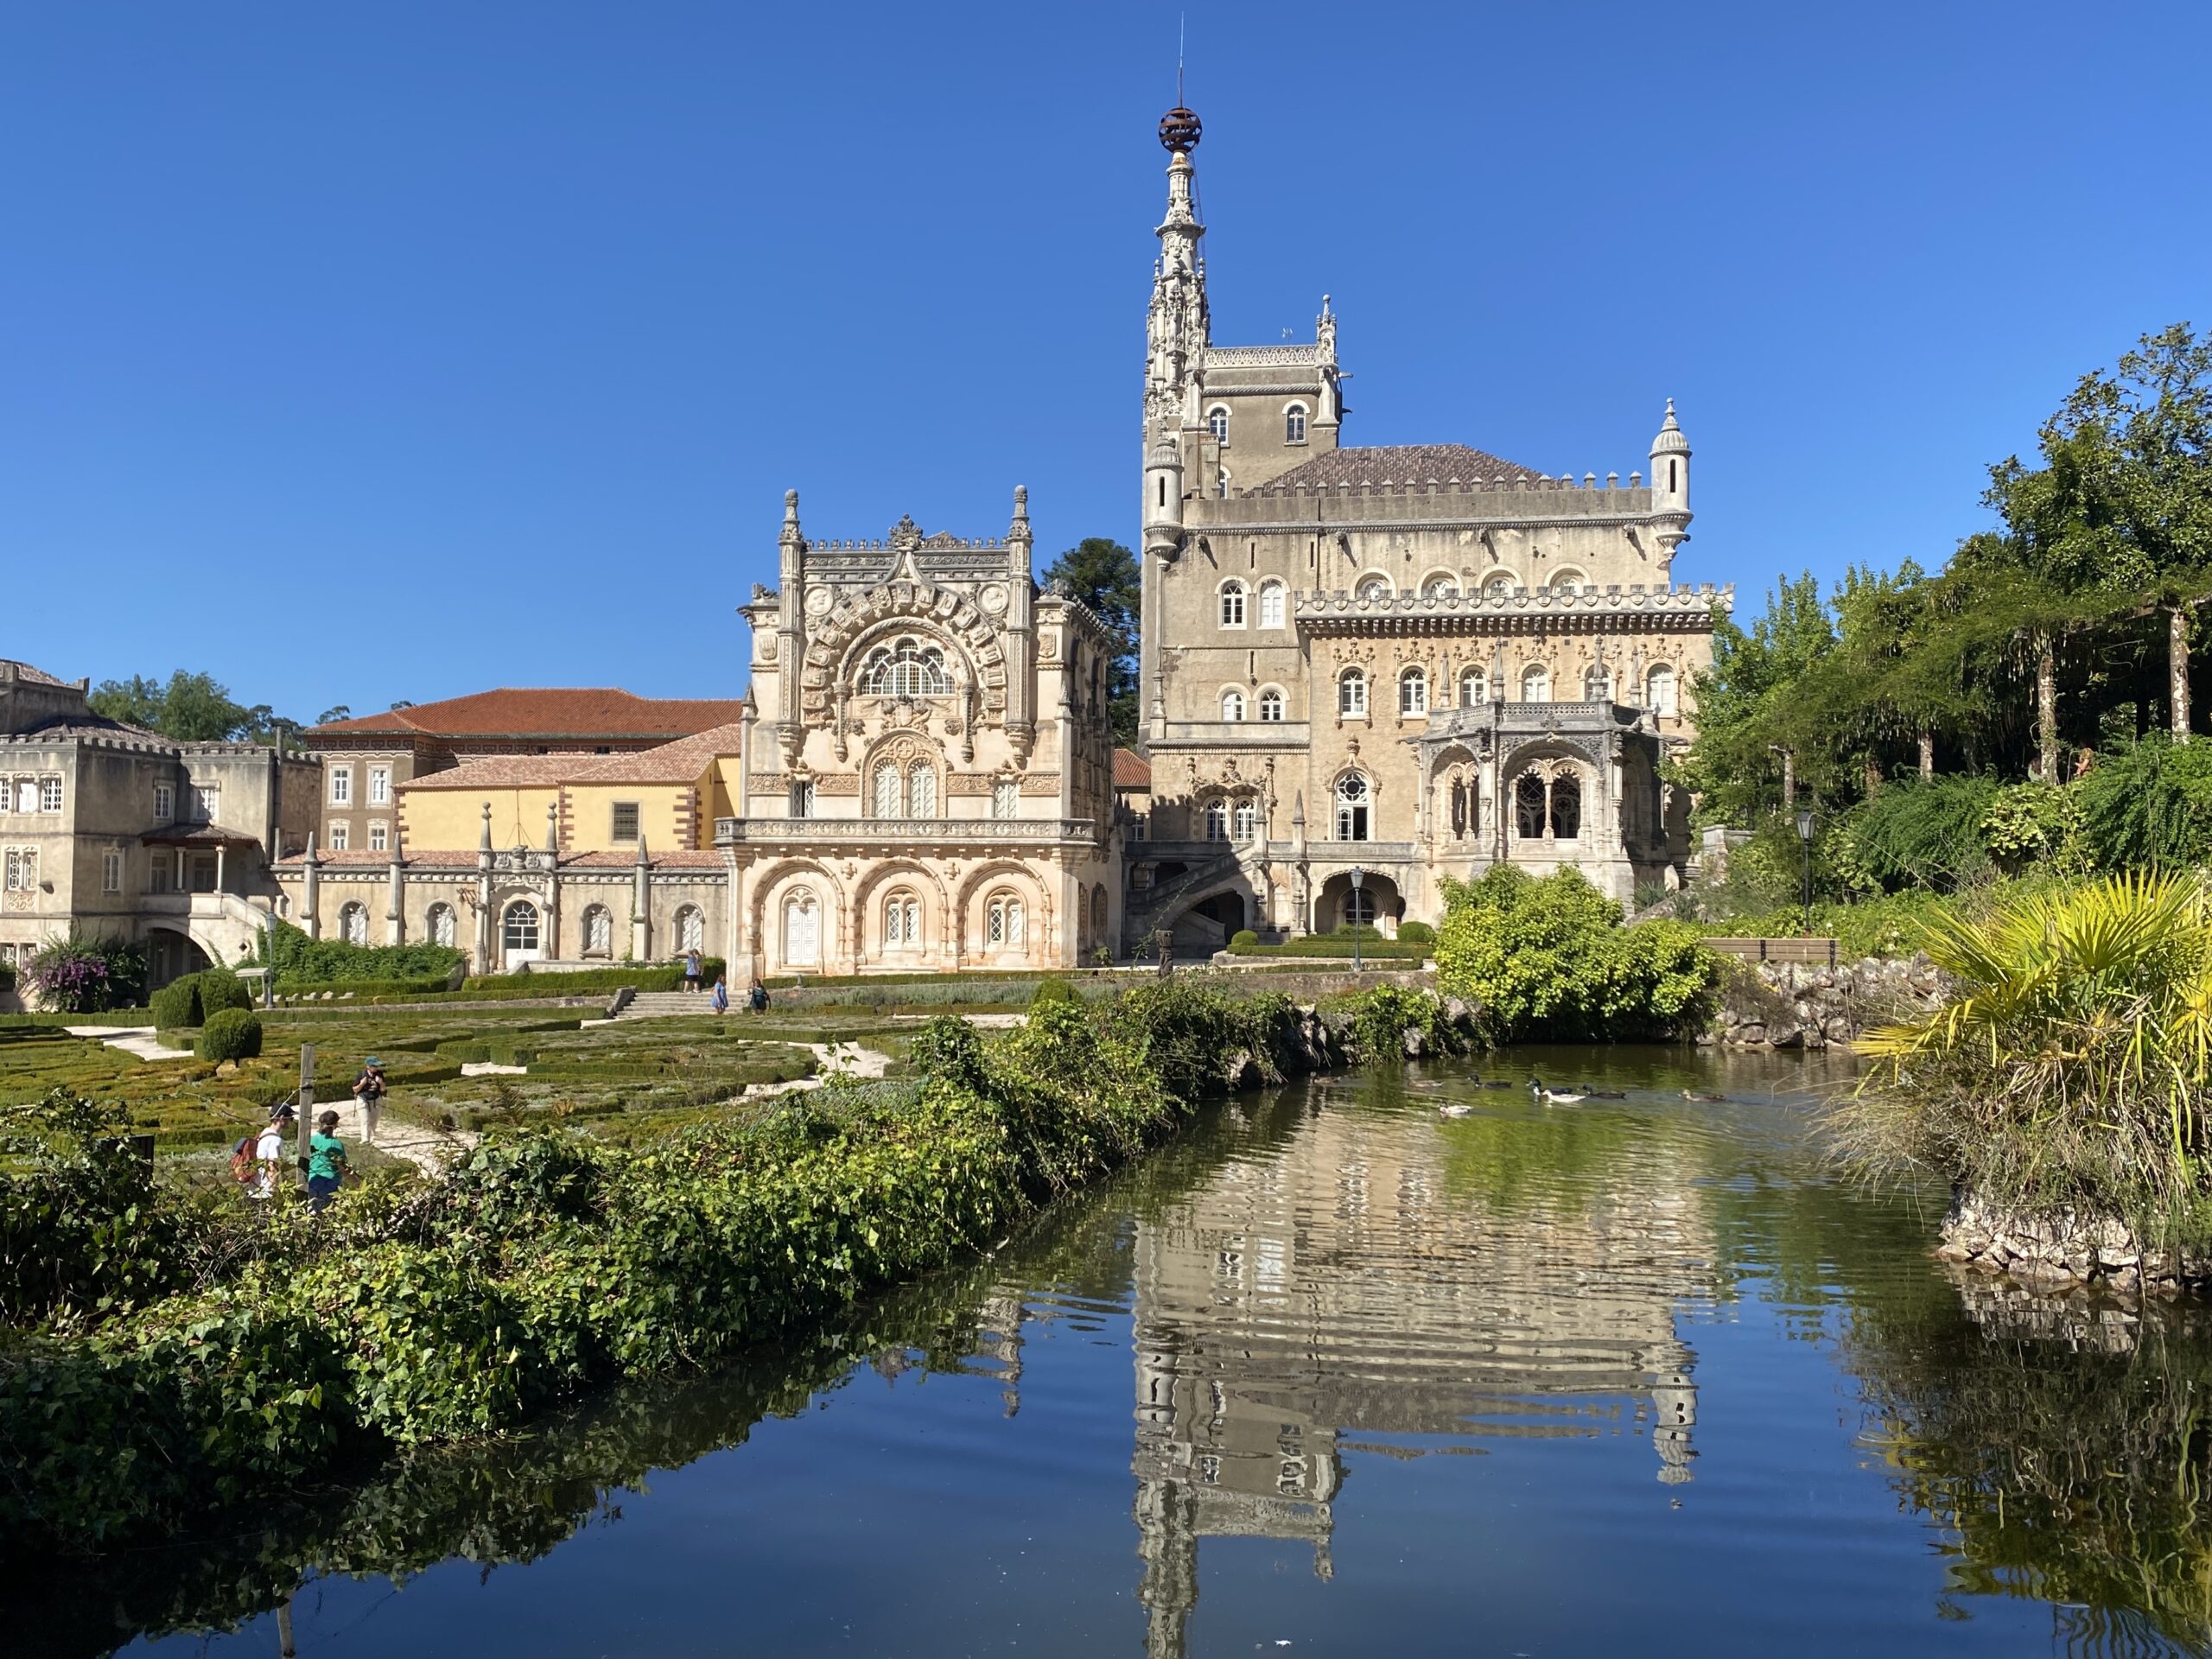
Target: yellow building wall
x=719 y=792
x=454 y=818
x=661 y=813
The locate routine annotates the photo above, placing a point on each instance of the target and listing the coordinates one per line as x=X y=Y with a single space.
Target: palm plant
x=2073 y=1066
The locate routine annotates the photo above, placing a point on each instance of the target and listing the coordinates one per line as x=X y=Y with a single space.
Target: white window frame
x=1272 y=605
x=802 y=800
x=49 y=793
x=1412 y=692
x=1539 y=676
x=164 y=803
x=1671 y=707
x=111 y=870
x=342 y=785
x=1474 y=687
x=380 y=785
x=1271 y=705
x=1351 y=695
x=1294 y=417
x=1234 y=597
x=379 y=835
x=1005 y=799
x=339 y=837
x=1232 y=707
x=1217 y=423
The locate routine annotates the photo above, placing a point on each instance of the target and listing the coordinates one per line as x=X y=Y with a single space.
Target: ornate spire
x=1178 y=328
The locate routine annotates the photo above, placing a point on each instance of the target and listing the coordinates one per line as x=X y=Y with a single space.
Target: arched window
x=1566 y=808
x=1413 y=691
x=599 y=931
x=907 y=667
x=1293 y=424
x=1271 y=606
x=1439 y=586
x=518 y=931
x=1245 y=821
x=1353 y=801
x=1474 y=687
x=902 y=921
x=1232 y=604
x=1570 y=581
x=921 y=791
x=1006 y=924
x=1271 y=704
x=442 y=924
x=1529 y=807
x=1459 y=808
x=353 y=924
x=1373 y=587
x=802 y=930
x=1499 y=584
x=1351 y=693
x=1536 y=684
x=1232 y=705
x=1359 y=907
x=1216 y=820
x=1217 y=422
x=1659 y=691
x=690 y=928
x=1597 y=684
x=885 y=797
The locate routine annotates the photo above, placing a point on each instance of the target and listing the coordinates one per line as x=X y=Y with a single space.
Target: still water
x=1334 y=1375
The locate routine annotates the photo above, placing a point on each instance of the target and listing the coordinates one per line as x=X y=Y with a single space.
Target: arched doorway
x=519 y=938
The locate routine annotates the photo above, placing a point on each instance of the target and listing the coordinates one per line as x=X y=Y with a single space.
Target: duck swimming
x=1455 y=1109
x=1710 y=1100
x=1554 y=1096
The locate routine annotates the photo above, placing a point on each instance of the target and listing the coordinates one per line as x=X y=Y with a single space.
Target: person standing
x=269 y=1156
x=326 y=1163
x=370 y=1088
x=721 y=995
x=759 y=997
x=691 y=967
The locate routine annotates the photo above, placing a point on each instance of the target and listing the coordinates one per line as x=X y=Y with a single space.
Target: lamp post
x=1805 y=835
x=1358 y=881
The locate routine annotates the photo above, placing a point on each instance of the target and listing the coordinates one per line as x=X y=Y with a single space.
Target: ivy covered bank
x=165 y=1354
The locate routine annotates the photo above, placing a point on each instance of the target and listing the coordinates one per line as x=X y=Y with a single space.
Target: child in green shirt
x=326 y=1161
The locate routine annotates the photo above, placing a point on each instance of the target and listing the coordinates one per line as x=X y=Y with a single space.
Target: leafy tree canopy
x=190 y=708
x=1103 y=574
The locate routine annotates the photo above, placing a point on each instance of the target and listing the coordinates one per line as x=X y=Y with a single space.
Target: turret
x=1670 y=486
x=1163 y=498
x=790 y=638
x=1020 y=633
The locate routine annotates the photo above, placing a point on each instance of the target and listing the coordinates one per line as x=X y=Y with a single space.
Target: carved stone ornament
x=819 y=602
x=764 y=646
x=992 y=599
x=1048 y=648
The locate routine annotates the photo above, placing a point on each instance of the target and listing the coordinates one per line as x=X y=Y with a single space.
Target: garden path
x=131 y=1040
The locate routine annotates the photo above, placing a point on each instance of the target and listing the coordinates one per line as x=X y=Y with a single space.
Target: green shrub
x=220 y=990
x=1243 y=936
x=1051 y=990
x=176 y=1007
x=1416 y=933
x=2148 y=805
x=1365 y=942
x=1925 y=835
x=1549 y=961
x=466 y=1052
x=232 y=1034
x=2038 y=824
x=301 y=960
x=80 y=973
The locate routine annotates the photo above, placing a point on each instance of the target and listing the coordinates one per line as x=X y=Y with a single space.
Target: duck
x=1710 y=1100
x=1554 y=1096
x=1455 y=1109
x=1588 y=1093
x=1488 y=1082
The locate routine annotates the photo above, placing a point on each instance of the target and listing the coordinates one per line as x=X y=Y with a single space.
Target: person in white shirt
x=269 y=1151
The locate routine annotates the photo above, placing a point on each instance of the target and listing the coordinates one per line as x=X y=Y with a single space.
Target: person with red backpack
x=257 y=1161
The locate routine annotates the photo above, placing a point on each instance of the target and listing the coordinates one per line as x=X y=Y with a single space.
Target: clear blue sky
x=378 y=352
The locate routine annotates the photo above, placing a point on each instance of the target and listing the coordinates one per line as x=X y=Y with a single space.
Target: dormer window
x=1293 y=423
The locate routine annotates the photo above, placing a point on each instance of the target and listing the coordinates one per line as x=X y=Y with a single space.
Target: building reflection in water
x=1350 y=1280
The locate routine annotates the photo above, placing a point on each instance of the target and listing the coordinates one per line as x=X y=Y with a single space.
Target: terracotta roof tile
x=680 y=762
x=1402 y=463
x=574 y=714
x=1131 y=770
x=676 y=858
x=502 y=772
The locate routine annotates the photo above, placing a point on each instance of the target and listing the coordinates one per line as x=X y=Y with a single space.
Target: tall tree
x=191 y=708
x=1104 y=575
x=1747 y=743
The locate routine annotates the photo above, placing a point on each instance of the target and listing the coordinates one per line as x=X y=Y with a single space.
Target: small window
x=801 y=799
x=1352 y=694
x=1439 y=587
x=1474 y=687
x=338 y=836
x=1293 y=424
x=1270 y=705
x=1500 y=585
x=1232 y=705
x=921 y=791
x=111 y=872
x=1271 y=606
x=1217 y=423
x=1659 y=686
x=22 y=870
x=1005 y=922
x=162 y=878
x=378 y=832
x=1536 y=684
x=1412 y=692
x=1221 y=484
x=1216 y=820
x=902 y=921
x=207 y=802
x=1353 y=801
x=884 y=791
x=1005 y=799
x=1232 y=605
x=1246 y=821
x=49 y=794
x=380 y=785
x=164 y=803
x=625 y=827
x=1374 y=588
x=1570 y=581
x=342 y=785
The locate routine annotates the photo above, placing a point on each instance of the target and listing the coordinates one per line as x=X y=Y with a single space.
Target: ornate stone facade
x=1417 y=660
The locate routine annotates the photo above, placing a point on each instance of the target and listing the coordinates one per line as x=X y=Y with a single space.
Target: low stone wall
x=1797 y=1005
x=2064 y=1252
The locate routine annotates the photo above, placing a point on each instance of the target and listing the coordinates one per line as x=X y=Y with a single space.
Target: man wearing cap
x=369 y=1088
x=268 y=1151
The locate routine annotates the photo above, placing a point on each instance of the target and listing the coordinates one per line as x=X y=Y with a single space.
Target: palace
x=1363 y=670
x=1416 y=661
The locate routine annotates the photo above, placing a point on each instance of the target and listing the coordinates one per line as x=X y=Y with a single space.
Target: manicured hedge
x=1369 y=948
x=176 y=1007
x=229 y=1034
x=220 y=990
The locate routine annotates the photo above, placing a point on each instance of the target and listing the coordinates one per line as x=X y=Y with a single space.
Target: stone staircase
x=651 y=1005
x=1143 y=912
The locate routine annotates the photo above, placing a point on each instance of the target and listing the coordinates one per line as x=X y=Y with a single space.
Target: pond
x=1333 y=1374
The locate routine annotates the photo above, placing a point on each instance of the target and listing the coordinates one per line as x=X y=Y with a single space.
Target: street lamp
x=1358 y=881
x=1805 y=835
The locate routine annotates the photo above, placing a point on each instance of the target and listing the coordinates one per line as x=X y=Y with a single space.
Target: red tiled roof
x=680 y=762
x=1131 y=770
x=327 y=856
x=677 y=858
x=1401 y=463
x=573 y=713
x=502 y=772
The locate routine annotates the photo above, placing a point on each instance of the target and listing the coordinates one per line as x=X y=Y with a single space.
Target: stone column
x=395 y=926
x=641 y=925
x=311 y=916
